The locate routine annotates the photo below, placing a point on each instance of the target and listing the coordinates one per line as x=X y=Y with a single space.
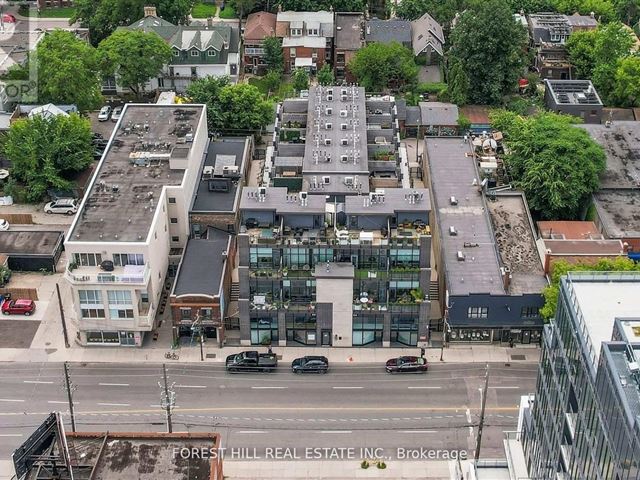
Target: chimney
x=506 y=278
x=209 y=22
x=150 y=11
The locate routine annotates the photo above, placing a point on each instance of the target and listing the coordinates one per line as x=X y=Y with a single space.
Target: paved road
x=349 y=407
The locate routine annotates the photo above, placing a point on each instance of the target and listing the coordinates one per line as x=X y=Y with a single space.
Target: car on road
x=4 y=225
x=18 y=307
x=117 y=113
x=251 y=361
x=104 y=114
x=406 y=364
x=67 y=206
x=310 y=364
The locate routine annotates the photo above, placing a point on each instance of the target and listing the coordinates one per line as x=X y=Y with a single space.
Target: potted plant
x=417 y=295
x=72 y=266
x=5 y=275
x=285 y=271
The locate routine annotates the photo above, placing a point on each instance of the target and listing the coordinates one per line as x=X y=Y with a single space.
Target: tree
x=602 y=9
x=489 y=47
x=458 y=84
x=273 y=56
x=239 y=108
x=613 y=42
x=581 y=49
x=134 y=57
x=556 y=164
x=531 y=6
x=562 y=267
x=627 y=11
x=243 y=6
x=443 y=11
x=272 y=80
x=627 y=82
x=300 y=79
x=67 y=71
x=44 y=152
x=325 y=75
x=381 y=66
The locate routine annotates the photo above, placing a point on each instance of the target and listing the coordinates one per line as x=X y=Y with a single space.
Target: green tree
x=458 y=86
x=562 y=267
x=243 y=7
x=44 y=152
x=602 y=9
x=273 y=56
x=627 y=82
x=272 y=80
x=134 y=57
x=489 y=46
x=16 y=72
x=325 y=75
x=207 y=90
x=67 y=71
x=443 y=11
x=531 y=6
x=581 y=49
x=556 y=164
x=300 y=79
x=381 y=66
x=627 y=11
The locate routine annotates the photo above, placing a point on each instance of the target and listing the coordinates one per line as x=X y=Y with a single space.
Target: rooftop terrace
x=573 y=92
x=121 y=202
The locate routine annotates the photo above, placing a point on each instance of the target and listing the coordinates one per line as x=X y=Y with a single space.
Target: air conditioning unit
x=343 y=91
x=230 y=169
x=460 y=256
x=344 y=142
x=262 y=191
x=343 y=113
x=328 y=111
x=207 y=171
x=452 y=231
x=348 y=180
x=343 y=126
x=327 y=141
x=344 y=158
x=453 y=200
x=330 y=91
x=328 y=125
x=326 y=180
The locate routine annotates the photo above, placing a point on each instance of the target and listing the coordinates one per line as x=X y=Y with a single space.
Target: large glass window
x=264 y=330
x=477 y=312
x=122 y=259
x=301 y=328
x=296 y=257
x=299 y=290
x=404 y=329
x=90 y=297
x=103 y=337
x=119 y=297
x=367 y=328
x=400 y=290
x=322 y=255
x=405 y=257
x=87 y=259
x=260 y=257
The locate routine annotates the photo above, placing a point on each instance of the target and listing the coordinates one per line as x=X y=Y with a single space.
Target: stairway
x=434 y=290
x=235 y=292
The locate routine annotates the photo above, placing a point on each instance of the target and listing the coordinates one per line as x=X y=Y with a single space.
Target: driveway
x=17 y=333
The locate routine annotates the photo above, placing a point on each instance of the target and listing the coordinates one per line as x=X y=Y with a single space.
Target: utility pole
x=69 y=387
x=64 y=323
x=484 y=402
x=167 y=398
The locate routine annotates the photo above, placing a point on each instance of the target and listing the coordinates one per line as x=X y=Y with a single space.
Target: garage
x=32 y=251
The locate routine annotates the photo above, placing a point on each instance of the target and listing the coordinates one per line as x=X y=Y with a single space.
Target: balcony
x=130 y=275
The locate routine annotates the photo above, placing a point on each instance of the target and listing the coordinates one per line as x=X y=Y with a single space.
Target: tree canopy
x=556 y=164
x=562 y=267
x=487 y=46
x=44 y=152
x=627 y=82
x=381 y=66
x=602 y=9
x=68 y=71
x=317 y=5
x=134 y=57
x=443 y=11
x=273 y=56
x=325 y=75
x=300 y=79
x=231 y=109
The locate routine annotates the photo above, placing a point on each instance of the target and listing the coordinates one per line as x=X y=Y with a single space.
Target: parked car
x=407 y=364
x=68 y=206
x=310 y=365
x=117 y=113
x=4 y=225
x=8 y=18
x=104 y=114
x=19 y=307
x=252 y=361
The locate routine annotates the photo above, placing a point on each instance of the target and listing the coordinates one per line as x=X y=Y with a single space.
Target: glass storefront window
x=404 y=329
x=260 y=257
x=264 y=331
x=301 y=328
x=470 y=335
x=367 y=328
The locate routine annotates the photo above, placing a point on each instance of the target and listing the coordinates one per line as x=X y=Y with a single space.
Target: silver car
x=104 y=114
x=68 y=206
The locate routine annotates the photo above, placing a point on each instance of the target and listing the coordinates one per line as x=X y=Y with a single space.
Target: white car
x=105 y=113
x=117 y=113
x=68 y=206
x=4 y=225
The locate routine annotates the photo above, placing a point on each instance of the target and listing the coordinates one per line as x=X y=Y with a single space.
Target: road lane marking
x=247 y=432
x=62 y=402
x=114 y=384
x=507 y=388
x=347 y=388
x=190 y=386
x=418 y=431
x=115 y=404
x=469 y=420
x=423 y=388
x=10 y=400
x=11 y=435
x=36 y=381
x=336 y=431
x=269 y=388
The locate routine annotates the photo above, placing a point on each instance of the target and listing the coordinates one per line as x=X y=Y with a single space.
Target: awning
x=304 y=62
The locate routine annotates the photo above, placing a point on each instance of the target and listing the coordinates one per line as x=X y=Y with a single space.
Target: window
x=174 y=220
x=195 y=53
x=119 y=297
x=176 y=53
x=103 y=337
x=478 y=312
x=120 y=313
x=90 y=297
x=206 y=313
x=122 y=259
x=92 y=312
x=211 y=53
x=312 y=32
x=292 y=52
x=87 y=259
x=175 y=239
x=172 y=199
x=529 y=312
x=185 y=314
x=296 y=32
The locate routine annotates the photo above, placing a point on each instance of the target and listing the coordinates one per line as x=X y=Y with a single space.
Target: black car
x=406 y=364
x=310 y=365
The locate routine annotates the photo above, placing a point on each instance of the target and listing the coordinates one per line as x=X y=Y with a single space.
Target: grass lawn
x=284 y=90
x=204 y=10
x=49 y=12
x=228 y=12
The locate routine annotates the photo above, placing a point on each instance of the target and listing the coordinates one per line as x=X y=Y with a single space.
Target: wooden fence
x=18 y=218
x=26 y=293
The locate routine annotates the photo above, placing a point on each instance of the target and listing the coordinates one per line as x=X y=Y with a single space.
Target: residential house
x=349 y=38
x=197 y=51
x=427 y=38
x=438 y=119
x=387 y=31
x=307 y=39
x=573 y=97
x=259 y=25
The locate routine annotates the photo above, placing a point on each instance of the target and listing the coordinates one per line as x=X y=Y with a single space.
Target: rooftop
x=427 y=32
x=438 y=113
x=349 y=35
x=393 y=200
x=619 y=211
x=218 y=188
x=386 y=31
x=452 y=172
x=334 y=270
x=577 y=21
x=621 y=142
x=573 y=92
x=260 y=25
x=15 y=242
x=134 y=170
x=568 y=230
x=277 y=199
x=14 y=47
x=202 y=266
x=516 y=243
x=584 y=247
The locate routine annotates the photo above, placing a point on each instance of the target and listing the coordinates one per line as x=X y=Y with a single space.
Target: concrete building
x=349 y=38
x=573 y=97
x=133 y=221
x=325 y=272
x=489 y=273
x=584 y=421
x=307 y=39
x=258 y=27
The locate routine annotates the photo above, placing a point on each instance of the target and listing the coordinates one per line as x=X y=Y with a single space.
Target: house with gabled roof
x=427 y=38
x=258 y=27
x=198 y=51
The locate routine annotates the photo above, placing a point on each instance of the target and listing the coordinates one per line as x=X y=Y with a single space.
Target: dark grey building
x=585 y=420
x=387 y=31
x=573 y=97
x=489 y=273
x=31 y=251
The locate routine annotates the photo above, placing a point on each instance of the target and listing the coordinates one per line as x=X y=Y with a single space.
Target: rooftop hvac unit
x=262 y=191
x=189 y=137
x=207 y=171
x=344 y=158
x=460 y=256
x=326 y=180
x=329 y=98
x=328 y=110
x=343 y=126
x=453 y=200
x=343 y=113
x=230 y=169
x=452 y=231
x=343 y=91
x=328 y=125
x=327 y=141
x=330 y=91
x=344 y=142
x=348 y=180
x=634 y=367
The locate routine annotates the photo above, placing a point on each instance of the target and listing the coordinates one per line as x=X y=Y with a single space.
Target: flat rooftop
x=349 y=34
x=221 y=152
x=201 y=268
x=573 y=92
x=585 y=247
x=619 y=211
x=15 y=242
x=452 y=171
x=395 y=200
x=120 y=203
x=568 y=230
x=277 y=199
x=621 y=143
x=516 y=243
